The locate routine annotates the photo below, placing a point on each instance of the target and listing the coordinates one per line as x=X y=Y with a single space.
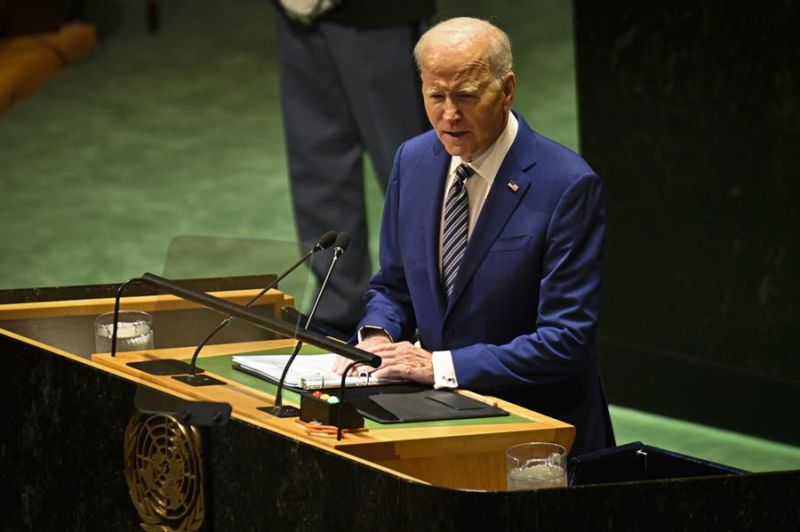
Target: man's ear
x=509 y=87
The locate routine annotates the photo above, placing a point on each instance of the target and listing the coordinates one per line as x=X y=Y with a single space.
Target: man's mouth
x=456 y=134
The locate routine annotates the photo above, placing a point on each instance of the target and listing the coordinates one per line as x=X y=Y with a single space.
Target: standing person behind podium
x=518 y=318
x=348 y=84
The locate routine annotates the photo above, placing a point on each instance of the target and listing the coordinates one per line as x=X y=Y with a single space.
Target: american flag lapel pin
x=513 y=187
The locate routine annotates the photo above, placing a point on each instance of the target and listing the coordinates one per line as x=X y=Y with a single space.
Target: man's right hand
x=371 y=339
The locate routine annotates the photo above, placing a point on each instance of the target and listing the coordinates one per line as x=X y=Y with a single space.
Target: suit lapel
x=498 y=208
x=431 y=208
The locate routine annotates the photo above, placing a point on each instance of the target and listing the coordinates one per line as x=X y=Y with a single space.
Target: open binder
x=308 y=371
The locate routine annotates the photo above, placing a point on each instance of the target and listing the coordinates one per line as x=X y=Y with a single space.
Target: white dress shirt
x=478 y=186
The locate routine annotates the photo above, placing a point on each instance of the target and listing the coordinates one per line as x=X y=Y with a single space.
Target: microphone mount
x=324 y=242
x=177 y=367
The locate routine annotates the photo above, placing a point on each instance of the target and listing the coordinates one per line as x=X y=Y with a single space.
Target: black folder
x=407 y=402
x=432 y=405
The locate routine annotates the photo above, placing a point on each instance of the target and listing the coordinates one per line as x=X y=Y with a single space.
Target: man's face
x=466 y=105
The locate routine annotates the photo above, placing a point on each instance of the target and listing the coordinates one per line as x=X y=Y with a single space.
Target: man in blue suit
x=500 y=283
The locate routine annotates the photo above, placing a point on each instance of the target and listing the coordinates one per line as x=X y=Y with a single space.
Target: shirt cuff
x=366 y=330
x=444 y=374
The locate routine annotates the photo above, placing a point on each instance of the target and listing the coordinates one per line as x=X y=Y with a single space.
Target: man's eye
x=436 y=97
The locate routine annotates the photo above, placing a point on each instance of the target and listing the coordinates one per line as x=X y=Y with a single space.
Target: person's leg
x=325 y=166
x=380 y=79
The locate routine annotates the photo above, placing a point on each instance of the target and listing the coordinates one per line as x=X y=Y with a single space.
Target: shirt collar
x=488 y=163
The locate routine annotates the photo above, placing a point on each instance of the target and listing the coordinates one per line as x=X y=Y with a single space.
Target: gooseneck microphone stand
x=193 y=379
x=180 y=368
x=279 y=410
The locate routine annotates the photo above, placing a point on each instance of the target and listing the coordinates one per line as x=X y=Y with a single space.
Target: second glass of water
x=536 y=465
x=134 y=331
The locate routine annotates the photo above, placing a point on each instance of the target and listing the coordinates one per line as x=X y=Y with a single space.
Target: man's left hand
x=404 y=360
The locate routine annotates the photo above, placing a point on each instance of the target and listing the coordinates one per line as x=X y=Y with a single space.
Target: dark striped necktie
x=456 y=222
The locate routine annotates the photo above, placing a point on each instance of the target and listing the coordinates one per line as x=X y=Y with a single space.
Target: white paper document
x=307 y=371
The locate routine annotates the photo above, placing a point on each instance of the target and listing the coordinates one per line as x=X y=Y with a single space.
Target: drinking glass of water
x=134 y=331
x=536 y=465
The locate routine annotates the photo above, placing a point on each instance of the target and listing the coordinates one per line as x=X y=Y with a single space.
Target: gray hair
x=462 y=30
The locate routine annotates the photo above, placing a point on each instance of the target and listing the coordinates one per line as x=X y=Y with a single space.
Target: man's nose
x=450 y=110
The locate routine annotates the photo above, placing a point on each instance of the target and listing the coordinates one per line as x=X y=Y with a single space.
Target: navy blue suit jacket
x=522 y=319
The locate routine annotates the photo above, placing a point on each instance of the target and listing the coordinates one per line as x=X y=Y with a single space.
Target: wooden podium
x=462 y=455
x=82 y=449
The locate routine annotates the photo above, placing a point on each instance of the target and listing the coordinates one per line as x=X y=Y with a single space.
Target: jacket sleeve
x=388 y=303
x=560 y=342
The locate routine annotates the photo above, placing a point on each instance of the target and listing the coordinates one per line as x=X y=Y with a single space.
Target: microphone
x=278 y=410
x=324 y=242
x=339 y=247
